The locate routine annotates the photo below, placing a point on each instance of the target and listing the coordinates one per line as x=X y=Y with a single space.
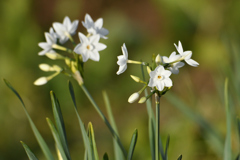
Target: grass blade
x=132 y=144
x=117 y=150
x=105 y=120
x=227 y=147
x=167 y=145
x=60 y=123
x=83 y=130
x=30 y=154
x=180 y=157
x=92 y=141
x=105 y=156
x=56 y=138
x=41 y=142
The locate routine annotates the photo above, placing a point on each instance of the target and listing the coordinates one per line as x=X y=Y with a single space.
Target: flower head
x=173 y=67
x=122 y=60
x=95 y=27
x=186 y=55
x=47 y=46
x=65 y=29
x=160 y=78
x=89 y=47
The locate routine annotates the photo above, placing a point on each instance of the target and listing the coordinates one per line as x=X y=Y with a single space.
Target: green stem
x=157 y=98
x=104 y=119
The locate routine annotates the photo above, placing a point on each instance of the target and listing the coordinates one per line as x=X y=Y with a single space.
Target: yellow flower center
x=88 y=47
x=159 y=77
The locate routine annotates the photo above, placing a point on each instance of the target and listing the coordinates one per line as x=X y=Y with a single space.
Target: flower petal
x=99 y=23
x=167 y=82
x=122 y=69
x=191 y=62
x=94 y=56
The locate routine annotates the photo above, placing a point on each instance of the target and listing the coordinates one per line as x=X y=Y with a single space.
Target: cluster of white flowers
x=159 y=81
x=88 y=48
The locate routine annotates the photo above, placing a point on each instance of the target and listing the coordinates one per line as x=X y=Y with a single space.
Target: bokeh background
x=210 y=28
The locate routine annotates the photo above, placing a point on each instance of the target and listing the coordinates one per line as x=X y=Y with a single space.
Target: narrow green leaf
x=41 y=142
x=105 y=120
x=92 y=141
x=180 y=157
x=227 y=147
x=56 y=138
x=83 y=130
x=117 y=149
x=57 y=113
x=105 y=156
x=132 y=144
x=30 y=154
x=161 y=149
x=167 y=145
x=238 y=157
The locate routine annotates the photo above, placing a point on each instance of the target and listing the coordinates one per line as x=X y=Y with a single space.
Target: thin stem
x=137 y=62
x=104 y=119
x=157 y=99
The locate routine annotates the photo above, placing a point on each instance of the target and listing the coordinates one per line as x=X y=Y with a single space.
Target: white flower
x=160 y=78
x=186 y=55
x=133 y=97
x=52 y=33
x=47 y=46
x=65 y=29
x=89 y=47
x=173 y=66
x=122 y=60
x=95 y=27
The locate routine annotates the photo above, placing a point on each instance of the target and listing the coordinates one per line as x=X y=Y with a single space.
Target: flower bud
x=41 y=81
x=45 y=67
x=142 y=100
x=135 y=78
x=52 y=55
x=149 y=69
x=133 y=97
x=158 y=59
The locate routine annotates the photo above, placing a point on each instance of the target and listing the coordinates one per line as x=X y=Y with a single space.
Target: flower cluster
x=159 y=81
x=88 y=48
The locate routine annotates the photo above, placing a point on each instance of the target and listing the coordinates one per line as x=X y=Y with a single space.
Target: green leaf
x=105 y=156
x=167 y=145
x=57 y=113
x=92 y=141
x=117 y=149
x=30 y=155
x=180 y=157
x=56 y=138
x=227 y=147
x=41 y=142
x=132 y=144
x=83 y=130
x=105 y=120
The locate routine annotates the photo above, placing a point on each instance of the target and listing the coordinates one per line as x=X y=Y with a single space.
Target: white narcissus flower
x=65 y=29
x=47 y=46
x=186 y=55
x=160 y=78
x=89 y=47
x=173 y=66
x=122 y=60
x=95 y=27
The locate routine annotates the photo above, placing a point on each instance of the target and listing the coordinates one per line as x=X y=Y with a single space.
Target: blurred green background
x=210 y=28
